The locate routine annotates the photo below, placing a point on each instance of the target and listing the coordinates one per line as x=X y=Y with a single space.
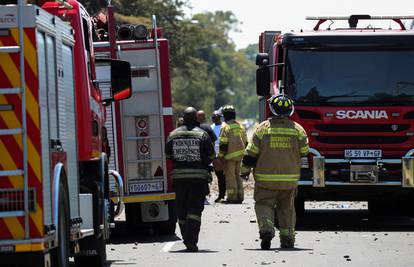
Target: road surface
x=330 y=234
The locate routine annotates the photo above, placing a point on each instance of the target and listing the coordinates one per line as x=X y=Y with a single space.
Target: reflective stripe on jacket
x=232 y=141
x=274 y=153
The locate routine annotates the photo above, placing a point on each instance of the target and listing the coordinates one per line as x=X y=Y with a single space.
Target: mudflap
x=26 y=259
x=92 y=252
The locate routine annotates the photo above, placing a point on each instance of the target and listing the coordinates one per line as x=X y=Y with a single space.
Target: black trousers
x=189 y=203
x=221 y=183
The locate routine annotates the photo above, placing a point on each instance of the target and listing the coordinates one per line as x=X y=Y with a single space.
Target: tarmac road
x=326 y=236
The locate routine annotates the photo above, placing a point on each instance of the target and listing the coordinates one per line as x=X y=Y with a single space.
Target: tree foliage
x=207 y=70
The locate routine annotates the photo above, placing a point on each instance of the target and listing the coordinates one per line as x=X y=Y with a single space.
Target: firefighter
x=274 y=153
x=191 y=151
x=232 y=142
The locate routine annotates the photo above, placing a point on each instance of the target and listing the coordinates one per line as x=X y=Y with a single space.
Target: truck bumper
x=352 y=192
x=33 y=252
x=363 y=172
x=26 y=259
x=148 y=198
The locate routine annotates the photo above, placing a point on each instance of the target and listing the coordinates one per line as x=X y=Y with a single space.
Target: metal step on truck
x=54 y=174
x=353 y=89
x=140 y=125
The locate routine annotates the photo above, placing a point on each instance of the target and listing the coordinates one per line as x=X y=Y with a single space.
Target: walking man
x=221 y=179
x=232 y=142
x=201 y=118
x=191 y=151
x=274 y=153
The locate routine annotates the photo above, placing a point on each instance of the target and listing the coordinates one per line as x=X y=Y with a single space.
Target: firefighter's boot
x=191 y=247
x=287 y=241
x=181 y=223
x=266 y=240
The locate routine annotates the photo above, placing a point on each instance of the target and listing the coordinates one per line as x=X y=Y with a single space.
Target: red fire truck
x=141 y=124
x=54 y=175
x=353 y=89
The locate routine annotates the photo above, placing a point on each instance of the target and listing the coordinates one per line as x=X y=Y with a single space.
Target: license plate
x=363 y=153
x=146 y=187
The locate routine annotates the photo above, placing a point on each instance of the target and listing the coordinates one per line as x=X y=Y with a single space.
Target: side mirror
x=121 y=80
x=263 y=81
x=262 y=59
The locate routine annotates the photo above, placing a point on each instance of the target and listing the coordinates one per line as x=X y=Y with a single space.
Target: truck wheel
x=405 y=205
x=134 y=221
x=378 y=207
x=167 y=228
x=299 y=207
x=97 y=249
x=60 y=256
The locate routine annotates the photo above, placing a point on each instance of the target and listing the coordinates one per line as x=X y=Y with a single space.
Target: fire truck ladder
x=19 y=131
x=161 y=109
x=159 y=113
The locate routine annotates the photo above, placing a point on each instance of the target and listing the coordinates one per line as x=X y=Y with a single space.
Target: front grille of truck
x=362 y=127
x=362 y=139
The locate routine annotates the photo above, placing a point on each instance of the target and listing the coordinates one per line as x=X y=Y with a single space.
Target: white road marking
x=168 y=246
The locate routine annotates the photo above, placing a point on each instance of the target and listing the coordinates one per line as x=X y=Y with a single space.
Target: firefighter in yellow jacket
x=232 y=142
x=274 y=153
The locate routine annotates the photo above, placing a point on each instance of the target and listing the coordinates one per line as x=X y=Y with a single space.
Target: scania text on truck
x=353 y=89
x=54 y=175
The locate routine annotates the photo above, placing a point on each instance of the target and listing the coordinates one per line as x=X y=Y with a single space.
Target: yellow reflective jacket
x=274 y=153
x=232 y=141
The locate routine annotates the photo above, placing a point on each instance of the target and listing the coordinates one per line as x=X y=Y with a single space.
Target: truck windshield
x=350 y=77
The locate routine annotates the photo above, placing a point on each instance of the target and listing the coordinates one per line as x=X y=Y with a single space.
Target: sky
x=286 y=15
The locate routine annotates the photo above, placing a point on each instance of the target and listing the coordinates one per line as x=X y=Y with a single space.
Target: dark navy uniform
x=191 y=151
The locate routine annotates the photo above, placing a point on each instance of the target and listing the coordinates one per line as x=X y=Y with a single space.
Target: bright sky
x=286 y=15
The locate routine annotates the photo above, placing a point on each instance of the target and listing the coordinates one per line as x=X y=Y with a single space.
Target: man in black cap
x=191 y=151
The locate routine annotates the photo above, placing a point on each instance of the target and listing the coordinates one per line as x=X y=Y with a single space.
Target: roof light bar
x=353 y=19
x=359 y=17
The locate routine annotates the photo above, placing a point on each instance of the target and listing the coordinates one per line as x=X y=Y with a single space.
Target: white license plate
x=363 y=153
x=146 y=187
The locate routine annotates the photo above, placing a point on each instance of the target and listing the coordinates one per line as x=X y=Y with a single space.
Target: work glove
x=245 y=172
x=245 y=177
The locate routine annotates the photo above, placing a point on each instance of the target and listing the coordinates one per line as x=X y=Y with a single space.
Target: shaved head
x=201 y=116
x=189 y=115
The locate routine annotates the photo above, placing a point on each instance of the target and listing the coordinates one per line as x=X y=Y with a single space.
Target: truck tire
x=405 y=205
x=299 y=207
x=60 y=255
x=134 y=221
x=168 y=227
x=165 y=228
x=380 y=207
x=92 y=244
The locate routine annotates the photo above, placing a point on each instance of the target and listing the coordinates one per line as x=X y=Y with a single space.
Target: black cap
x=190 y=115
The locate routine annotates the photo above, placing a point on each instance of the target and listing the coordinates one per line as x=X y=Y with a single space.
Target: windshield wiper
x=330 y=98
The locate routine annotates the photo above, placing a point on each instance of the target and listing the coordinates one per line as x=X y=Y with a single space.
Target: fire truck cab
x=353 y=90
